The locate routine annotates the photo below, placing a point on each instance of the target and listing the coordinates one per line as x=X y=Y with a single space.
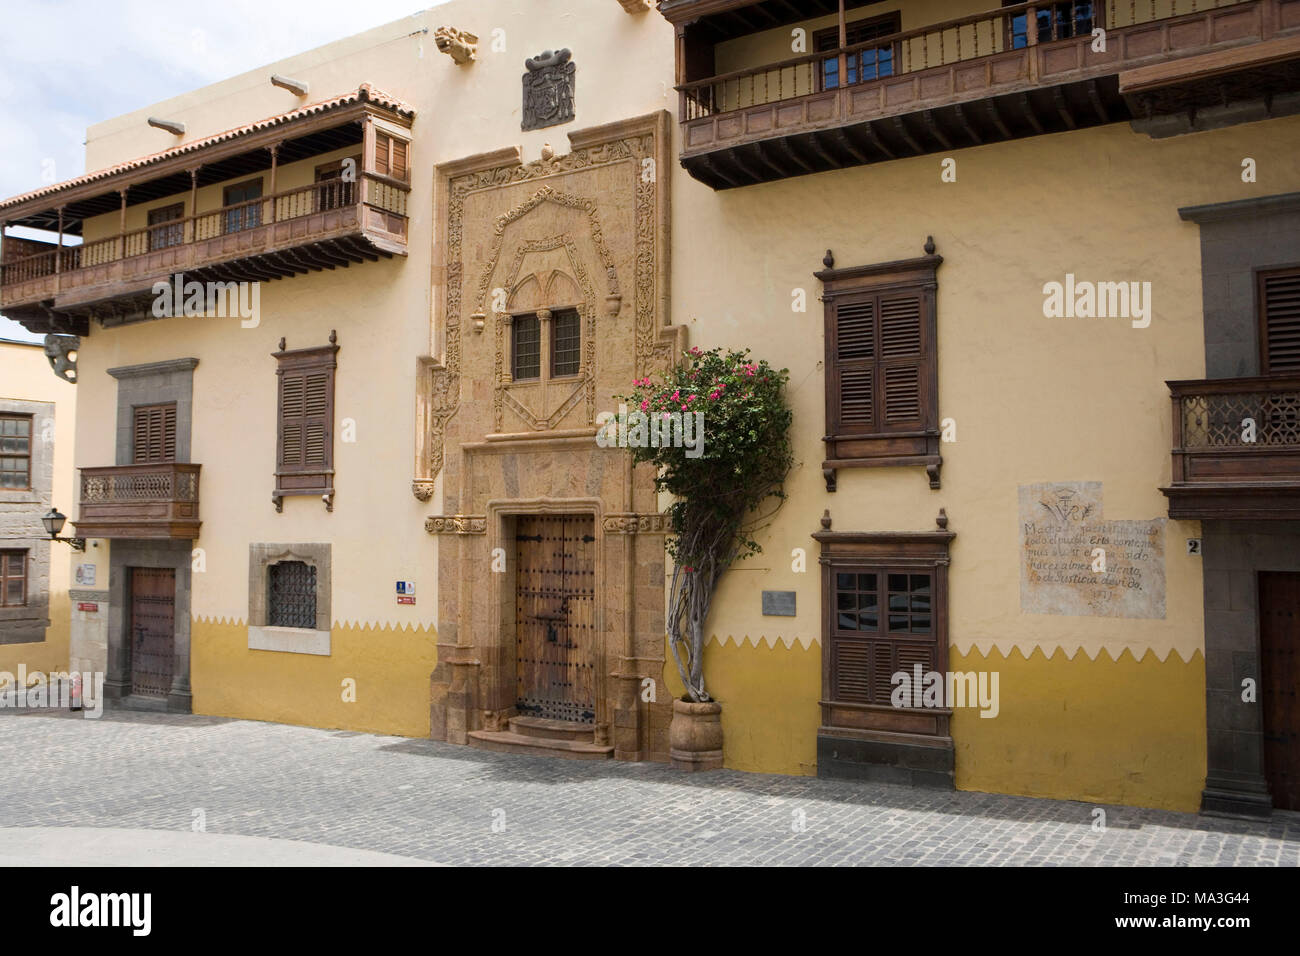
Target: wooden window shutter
x=305 y=446
x=154 y=438
x=901 y=357
x=1279 y=307
x=398 y=163
x=392 y=156
x=882 y=381
x=292 y=387
x=317 y=388
x=878 y=364
x=855 y=364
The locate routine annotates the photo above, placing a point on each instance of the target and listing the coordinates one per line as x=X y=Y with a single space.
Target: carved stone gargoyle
x=60 y=349
x=460 y=45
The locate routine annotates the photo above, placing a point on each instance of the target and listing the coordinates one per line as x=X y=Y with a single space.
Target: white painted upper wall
x=624 y=67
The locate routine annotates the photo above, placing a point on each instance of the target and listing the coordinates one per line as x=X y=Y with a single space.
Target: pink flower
x=645 y=405
x=667 y=415
x=677 y=396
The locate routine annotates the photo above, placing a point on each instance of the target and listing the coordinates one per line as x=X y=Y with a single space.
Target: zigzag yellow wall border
x=1112 y=730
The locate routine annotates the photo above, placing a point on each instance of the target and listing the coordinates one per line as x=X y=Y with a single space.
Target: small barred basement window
x=291 y=595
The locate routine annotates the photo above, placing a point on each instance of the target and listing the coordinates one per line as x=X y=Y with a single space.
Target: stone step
x=506 y=741
x=552 y=728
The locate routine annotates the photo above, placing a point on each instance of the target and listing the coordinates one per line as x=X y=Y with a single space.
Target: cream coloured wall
x=1033 y=399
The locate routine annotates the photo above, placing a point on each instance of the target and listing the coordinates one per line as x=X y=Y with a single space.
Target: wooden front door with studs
x=1279 y=647
x=153 y=621
x=555 y=587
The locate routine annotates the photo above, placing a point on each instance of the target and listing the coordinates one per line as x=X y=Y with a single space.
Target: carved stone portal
x=555 y=236
x=549 y=87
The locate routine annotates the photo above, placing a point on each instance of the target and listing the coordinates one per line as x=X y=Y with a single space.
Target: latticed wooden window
x=154 y=433
x=13 y=578
x=882 y=623
x=15 y=452
x=525 y=347
x=1279 y=321
x=291 y=594
x=566 y=343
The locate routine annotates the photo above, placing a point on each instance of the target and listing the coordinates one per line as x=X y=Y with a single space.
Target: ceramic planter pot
x=695 y=735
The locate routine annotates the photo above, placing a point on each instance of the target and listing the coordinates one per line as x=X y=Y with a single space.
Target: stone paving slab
x=441 y=803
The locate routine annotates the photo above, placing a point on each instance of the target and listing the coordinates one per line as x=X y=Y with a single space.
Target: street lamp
x=53 y=522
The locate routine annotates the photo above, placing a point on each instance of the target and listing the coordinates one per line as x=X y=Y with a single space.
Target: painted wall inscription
x=1073 y=561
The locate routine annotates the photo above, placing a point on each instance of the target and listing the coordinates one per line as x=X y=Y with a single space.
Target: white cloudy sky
x=66 y=64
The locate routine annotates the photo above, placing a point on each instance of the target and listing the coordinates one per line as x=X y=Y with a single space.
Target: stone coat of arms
x=549 y=89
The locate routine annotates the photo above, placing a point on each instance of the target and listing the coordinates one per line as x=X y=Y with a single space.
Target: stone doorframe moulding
x=291 y=640
x=488 y=695
x=124 y=555
x=154 y=383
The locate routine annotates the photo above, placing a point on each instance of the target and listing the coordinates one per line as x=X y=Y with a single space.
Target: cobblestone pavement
x=448 y=804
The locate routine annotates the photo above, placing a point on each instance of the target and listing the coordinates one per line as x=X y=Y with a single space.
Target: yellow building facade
x=369 y=495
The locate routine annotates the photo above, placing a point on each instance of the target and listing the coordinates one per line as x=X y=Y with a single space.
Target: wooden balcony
x=1236 y=448
x=260 y=233
x=140 y=501
x=321 y=226
x=968 y=81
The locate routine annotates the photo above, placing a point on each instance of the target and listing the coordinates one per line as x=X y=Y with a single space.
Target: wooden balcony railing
x=913 y=51
x=949 y=71
x=1236 y=448
x=374 y=204
x=140 y=501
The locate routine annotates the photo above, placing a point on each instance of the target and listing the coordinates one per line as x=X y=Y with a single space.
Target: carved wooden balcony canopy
x=55 y=287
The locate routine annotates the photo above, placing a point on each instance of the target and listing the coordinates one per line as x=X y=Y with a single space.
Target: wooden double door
x=1279 y=648
x=153 y=630
x=555 y=639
